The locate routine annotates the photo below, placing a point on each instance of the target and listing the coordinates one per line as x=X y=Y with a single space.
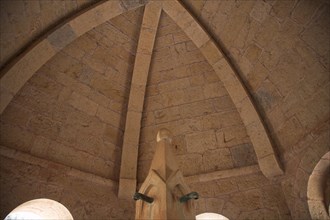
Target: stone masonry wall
x=185 y=96
x=83 y=196
x=73 y=110
x=281 y=51
x=23 y=21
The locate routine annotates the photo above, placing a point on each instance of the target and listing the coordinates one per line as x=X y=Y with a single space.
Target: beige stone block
x=136 y=98
x=167 y=115
x=259 y=139
x=225 y=72
x=25 y=67
x=41 y=125
x=260 y=11
x=151 y=15
x=237 y=92
x=109 y=116
x=252 y=53
x=146 y=41
x=100 y=99
x=218 y=159
x=231 y=136
x=315 y=189
x=113 y=135
x=193 y=94
x=172 y=98
x=247 y=111
x=213 y=90
x=201 y=141
x=282 y=9
x=61 y=37
x=174 y=85
x=304 y=11
x=141 y=69
x=197 y=109
x=223 y=104
x=40 y=147
x=309 y=160
x=96 y=16
x=270 y=166
x=16 y=137
x=196 y=33
x=129 y=158
x=187 y=167
x=132 y=128
x=16 y=115
x=5 y=98
x=84 y=104
x=211 y=52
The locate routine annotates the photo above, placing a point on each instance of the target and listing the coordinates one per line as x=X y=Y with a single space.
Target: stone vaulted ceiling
x=242 y=85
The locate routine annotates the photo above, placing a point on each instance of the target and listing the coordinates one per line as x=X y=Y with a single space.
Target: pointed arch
x=267 y=159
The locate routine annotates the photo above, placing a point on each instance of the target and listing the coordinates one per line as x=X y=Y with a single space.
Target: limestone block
x=132 y=128
x=225 y=72
x=96 y=16
x=136 y=99
x=304 y=11
x=151 y=15
x=211 y=52
x=173 y=98
x=5 y=98
x=193 y=94
x=141 y=69
x=45 y=126
x=252 y=181
x=166 y=115
x=243 y=155
x=197 y=109
x=84 y=104
x=218 y=159
x=22 y=71
x=247 y=111
x=261 y=143
x=113 y=135
x=201 y=141
x=16 y=115
x=270 y=166
x=62 y=37
x=16 y=137
x=260 y=11
x=248 y=200
x=127 y=188
x=230 y=210
x=282 y=9
x=213 y=90
x=223 y=104
x=309 y=160
x=186 y=165
x=231 y=136
x=174 y=85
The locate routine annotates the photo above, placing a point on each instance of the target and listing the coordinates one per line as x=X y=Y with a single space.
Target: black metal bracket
x=192 y=195
x=138 y=196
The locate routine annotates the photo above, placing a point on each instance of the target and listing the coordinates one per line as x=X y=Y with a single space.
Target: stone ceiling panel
x=73 y=110
x=185 y=95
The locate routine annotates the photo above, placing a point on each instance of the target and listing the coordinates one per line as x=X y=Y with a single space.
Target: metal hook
x=192 y=195
x=138 y=196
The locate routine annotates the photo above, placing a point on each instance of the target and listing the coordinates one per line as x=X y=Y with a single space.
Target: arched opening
x=210 y=216
x=40 y=209
x=318 y=191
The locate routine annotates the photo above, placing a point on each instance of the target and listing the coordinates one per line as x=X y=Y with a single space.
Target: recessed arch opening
x=40 y=209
